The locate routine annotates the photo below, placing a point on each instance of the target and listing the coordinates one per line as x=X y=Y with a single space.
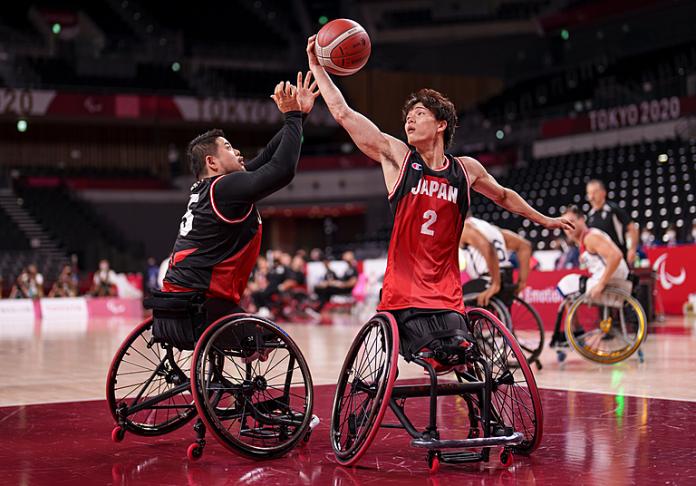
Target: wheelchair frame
x=468 y=384
x=168 y=371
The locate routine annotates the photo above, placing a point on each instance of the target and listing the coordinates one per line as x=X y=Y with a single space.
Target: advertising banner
x=675 y=279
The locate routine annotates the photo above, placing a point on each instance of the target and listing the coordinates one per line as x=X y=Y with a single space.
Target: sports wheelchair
x=606 y=330
x=242 y=376
x=519 y=316
x=502 y=403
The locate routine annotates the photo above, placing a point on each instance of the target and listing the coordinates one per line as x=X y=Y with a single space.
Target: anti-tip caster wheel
x=433 y=462
x=506 y=458
x=118 y=434
x=194 y=452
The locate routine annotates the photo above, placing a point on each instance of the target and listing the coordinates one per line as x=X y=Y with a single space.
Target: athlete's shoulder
x=594 y=236
x=471 y=167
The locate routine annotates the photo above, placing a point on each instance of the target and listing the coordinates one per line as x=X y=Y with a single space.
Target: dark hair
x=575 y=210
x=201 y=146
x=440 y=106
x=597 y=181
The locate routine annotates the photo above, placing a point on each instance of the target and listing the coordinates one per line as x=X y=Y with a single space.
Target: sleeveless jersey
x=595 y=264
x=473 y=261
x=213 y=253
x=429 y=207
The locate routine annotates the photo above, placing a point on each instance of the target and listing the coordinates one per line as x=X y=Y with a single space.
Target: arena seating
x=595 y=85
x=12 y=237
x=80 y=229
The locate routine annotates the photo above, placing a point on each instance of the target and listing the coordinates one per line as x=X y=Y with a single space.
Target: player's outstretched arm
x=379 y=146
x=484 y=183
x=523 y=248
x=472 y=236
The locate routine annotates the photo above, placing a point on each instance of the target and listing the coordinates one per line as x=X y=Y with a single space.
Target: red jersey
x=429 y=208
x=214 y=252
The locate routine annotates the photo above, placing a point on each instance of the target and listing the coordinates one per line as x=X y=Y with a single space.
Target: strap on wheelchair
x=184 y=302
x=435 y=335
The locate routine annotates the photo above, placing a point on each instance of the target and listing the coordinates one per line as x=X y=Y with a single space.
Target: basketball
x=343 y=47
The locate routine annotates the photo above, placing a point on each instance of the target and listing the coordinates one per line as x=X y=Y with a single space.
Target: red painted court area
x=588 y=439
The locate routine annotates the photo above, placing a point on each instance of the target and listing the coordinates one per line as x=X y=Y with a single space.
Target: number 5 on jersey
x=430 y=217
x=187 y=220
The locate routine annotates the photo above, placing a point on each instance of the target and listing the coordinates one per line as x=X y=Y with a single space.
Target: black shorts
x=429 y=328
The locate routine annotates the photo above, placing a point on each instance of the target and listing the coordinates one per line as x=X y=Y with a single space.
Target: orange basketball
x=343 y=47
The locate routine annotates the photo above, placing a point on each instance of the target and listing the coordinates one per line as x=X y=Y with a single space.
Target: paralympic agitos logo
x=667 y=281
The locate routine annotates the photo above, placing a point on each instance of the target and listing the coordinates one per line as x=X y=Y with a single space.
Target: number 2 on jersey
x=187 y=220
x=430 y=217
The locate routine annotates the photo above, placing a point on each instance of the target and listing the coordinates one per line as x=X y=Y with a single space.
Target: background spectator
x=29 y=284
x=670 y=236
x=64 y=286
x=691 y=237
x=279 y=273
x=332 y=285
x=104 y=281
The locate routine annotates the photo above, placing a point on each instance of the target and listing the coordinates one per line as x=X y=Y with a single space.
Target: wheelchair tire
x=353 y=430
x=522 y=313
x=252 y=386
x=595 y=342
x=143 y=370
x=516 y=402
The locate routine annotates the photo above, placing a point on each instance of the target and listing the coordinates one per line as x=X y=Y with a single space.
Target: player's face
x=579 y=223
x=229 y=158
x=596 y=196
x=421 y=124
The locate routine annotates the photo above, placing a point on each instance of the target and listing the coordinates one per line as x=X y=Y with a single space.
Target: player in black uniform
x=220 y=234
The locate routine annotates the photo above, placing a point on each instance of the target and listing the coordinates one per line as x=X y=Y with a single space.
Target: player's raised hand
x=312 y=54
x=285 y=97
x=307 y=91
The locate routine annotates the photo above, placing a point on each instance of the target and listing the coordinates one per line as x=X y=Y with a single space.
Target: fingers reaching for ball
x=307 y=91
x=311 y=52
x=285 y=96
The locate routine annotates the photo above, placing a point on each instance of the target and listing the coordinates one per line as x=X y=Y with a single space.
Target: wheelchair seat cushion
x=438 y=331
x=178 y=317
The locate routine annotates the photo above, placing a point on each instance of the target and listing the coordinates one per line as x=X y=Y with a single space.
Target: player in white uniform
x=599 y=254
x=484 y=252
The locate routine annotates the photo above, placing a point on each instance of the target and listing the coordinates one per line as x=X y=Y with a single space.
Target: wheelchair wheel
x=252 y=386
x=606 y=330
x=495 y=306
x=515 y=399
x=364 y=388
x=147 y=388
x=527 y=328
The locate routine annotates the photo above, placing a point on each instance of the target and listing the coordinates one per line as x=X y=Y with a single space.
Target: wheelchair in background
x=502 y=403
x=519 y=316
x=605 y=330
x=242 y=376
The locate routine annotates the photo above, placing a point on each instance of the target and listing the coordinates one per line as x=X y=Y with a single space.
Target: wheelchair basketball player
x=220 y=234
x=485 y=253
x=599 y=254
x=428 y=191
